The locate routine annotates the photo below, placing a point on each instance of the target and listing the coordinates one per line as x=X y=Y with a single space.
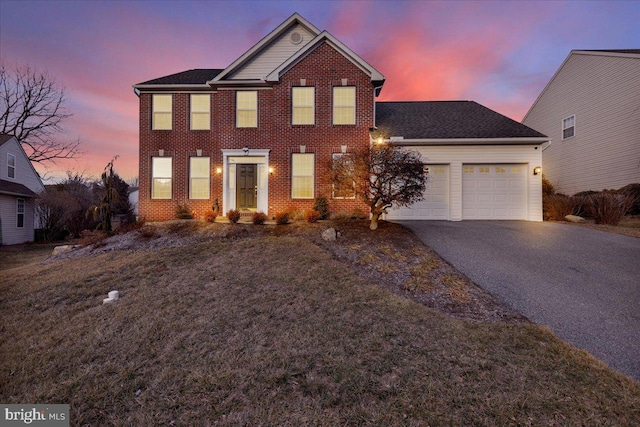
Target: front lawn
x=278 y=328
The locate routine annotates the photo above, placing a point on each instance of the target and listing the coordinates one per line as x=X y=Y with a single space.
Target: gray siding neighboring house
x=19 y=184
x=591 y=111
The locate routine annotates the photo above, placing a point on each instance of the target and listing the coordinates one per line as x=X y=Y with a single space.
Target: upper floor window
x=302 y=166
x=303 y=111
x=20 y=213
x=568 y=127
x=247 y=109
x=344 y=105
x=11 y=165
x=162 y=109
x=200 y=111
x=161 y=177
x=199 y=178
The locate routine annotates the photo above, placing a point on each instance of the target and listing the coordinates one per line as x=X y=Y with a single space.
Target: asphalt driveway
x=582 y=283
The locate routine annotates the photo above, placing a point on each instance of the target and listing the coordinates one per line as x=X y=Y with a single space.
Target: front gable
x=24 y=173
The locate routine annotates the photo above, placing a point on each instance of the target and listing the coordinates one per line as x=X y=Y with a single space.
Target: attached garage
x=480 y=163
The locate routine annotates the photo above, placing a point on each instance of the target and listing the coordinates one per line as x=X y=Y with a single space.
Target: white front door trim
x=231 y=157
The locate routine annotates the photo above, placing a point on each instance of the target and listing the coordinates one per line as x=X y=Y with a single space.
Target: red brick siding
x=323 y=69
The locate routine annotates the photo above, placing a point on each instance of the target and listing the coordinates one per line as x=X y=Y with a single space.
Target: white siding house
x=591 y=111
x=19 y=184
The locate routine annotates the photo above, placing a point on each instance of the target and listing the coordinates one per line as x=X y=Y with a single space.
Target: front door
x=247 y=187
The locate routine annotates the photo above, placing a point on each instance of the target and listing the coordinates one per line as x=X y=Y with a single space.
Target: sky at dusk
x=500 y=54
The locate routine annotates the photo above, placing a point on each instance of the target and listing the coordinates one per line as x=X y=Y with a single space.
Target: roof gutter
x=470 y=141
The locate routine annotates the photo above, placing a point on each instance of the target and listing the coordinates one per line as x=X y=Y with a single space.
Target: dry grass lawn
x=274 y=327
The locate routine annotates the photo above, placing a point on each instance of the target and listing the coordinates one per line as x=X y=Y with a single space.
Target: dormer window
x=11 y=165
x=568 y=127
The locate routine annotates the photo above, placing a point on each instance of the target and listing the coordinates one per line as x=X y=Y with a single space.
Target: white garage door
x=436 y=198
x=494 y=191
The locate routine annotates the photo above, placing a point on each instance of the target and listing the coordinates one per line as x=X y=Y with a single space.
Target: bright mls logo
x=37 y=415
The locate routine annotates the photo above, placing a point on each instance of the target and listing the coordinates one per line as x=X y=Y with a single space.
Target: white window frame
x=338 y=105
x=333 y=188
x=196 y=177
x=300 y=107
x=296 y=175
x=243 y=108
x=156 y=176
x=161 y=111
x=195 y=111
x=11 y=165
x=20 y=212
x=571 y=118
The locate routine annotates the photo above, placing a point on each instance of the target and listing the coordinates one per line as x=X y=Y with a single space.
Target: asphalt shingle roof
x=446 y=120
x=189 y=77
x=15 y=189
x=4 y=138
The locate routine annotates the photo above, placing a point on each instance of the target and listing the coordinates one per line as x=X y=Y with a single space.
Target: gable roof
x=15 y=189
x=620 y=53
x=4 y=138
x=449 y=122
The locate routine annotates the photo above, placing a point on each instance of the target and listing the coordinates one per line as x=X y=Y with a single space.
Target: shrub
x=312 y=216
x=556 y=206
x=282 y=218
x=210 y=216
x=341 y=216
x=295 y=213
x=358 y=213
x=321 y=205
x=547 y=186
x=607 y=207
x=183 y=212
x=632 y=190
x=233 y=216
x=149 y=231
x=258 y=218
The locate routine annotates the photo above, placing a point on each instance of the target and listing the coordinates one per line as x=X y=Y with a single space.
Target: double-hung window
x=344 y=105
x=302 y=176
x=344 y=180
x=303 y=111
x=200 y=111
x=247 y=109
x=162 y=112
x=20 y=213
x=199 y=178
x=568 y=127
x=161 y=177
x=11 y=165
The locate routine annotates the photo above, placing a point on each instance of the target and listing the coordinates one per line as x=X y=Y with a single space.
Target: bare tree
x=382 y=176
x=32 y=108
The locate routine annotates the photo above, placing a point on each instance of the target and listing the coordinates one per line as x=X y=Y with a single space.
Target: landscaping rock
x=330 y=234
x=574 y=218
x=62 y=249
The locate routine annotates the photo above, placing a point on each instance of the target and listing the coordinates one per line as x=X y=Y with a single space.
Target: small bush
x=312 y=216
x=607 y=207
x=321 y=205
x=341 y=216
x=295 y=213
x=547 y=186
x=258 y=218
x=632 y=190
x=358 y=213
x=556 y=206
x=233 y=216
x=183 y=212
x=210 y=216
x=282 y=218
x=149 y=231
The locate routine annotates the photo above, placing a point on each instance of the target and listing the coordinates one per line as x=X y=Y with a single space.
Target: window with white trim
x=344 y=105
x=343 y=166
x=199 y=178
x=161 y=177
x=11 y=165
x=200 y=111
x=247 y=108
x=303 y=108
x=568 y=127
x=302 y=177
x=20 y=213
x=162 y=112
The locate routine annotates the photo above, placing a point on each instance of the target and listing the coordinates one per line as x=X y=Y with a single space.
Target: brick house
x=260 y=135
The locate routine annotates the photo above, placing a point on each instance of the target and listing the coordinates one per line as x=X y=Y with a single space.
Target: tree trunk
x=374 y=221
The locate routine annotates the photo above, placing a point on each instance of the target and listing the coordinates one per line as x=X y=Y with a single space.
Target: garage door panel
x=495 y=191
x=436 y=198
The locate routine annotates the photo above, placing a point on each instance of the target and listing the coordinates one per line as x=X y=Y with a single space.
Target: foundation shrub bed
x=312 y=216
x=233 y=216
x=282 y=218
x=184 y=212
x=210 y=216
x=608 y=207
x=321 y=205
x=556 y=206
x=258 y=218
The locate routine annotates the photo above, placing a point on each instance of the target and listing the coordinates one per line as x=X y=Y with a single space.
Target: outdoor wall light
x=270 y=170
x=218 y=170
x=380 y=140
x=537 y=170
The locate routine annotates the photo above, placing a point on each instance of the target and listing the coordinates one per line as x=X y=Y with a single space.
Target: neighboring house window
x=303 y=111
x=247 y=109
x=20 y=213
x=199 y=173
x=161 y=174
x=302 y=166
x=568 y=127
x=344 y=162
x=162 y=107
x=200 y=112
x=11 y=165
x=344 y=105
